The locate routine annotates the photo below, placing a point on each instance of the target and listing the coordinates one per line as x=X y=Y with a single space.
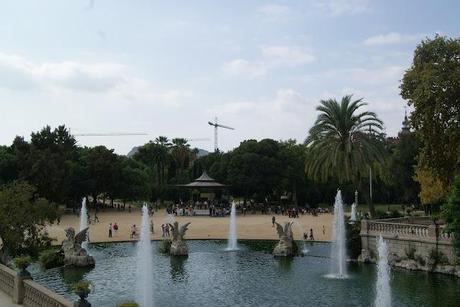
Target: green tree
x=254 y=170
x=134 y=181
x=23 y=215
x=104 y=171
x=400 y=166
x=432 y=87
x=344 y=143
x=451 y=212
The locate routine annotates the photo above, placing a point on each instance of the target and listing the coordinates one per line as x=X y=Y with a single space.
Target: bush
x=451 y=212
x=51 y=258
x=22 y=262
x=128 y=304
x=438 y=257
x=353 y=240
x=420 y=260
x=82 y=288
x=410 y=252
x=165 y=246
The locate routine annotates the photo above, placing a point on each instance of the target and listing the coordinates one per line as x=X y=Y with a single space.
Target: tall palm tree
x=344 y=142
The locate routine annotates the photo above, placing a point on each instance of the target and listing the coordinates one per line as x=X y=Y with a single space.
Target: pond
x=251 y=276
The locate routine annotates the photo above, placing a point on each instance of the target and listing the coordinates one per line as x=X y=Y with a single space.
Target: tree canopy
x=432 y=87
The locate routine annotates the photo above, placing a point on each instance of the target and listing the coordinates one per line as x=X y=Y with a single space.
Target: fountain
x=383 y=297
x=284 y=248
x=338 y=252
x=84 y=222
x=232 y=239
x=353 y=213
x=144 y=278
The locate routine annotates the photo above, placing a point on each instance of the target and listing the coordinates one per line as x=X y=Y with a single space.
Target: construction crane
x=216 y=125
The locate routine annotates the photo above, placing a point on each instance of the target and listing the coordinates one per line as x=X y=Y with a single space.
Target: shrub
x=438 y=257
x=82 y=288
x=51 y=258
x=22 y=262
x=420 y=260
x=451 y=212
x=165 y=246
x=353 y=240
x=410 y=252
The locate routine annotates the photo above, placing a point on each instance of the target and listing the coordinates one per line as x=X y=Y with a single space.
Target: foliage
x=23 y=215
x=432 y=189
x=165 y=246
x=431 y=86
x=382 y=214
x=22 y=262
x=343 y=143
x=451 y=213
x=353 y=240
x=437 y=257
x=51 y=258
x=410 y=252
x=399 y=170
x=420 y=260
x=83 y=287
x=128 y=304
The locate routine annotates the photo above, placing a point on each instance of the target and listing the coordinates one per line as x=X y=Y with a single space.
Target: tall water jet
x=232 y=243
x=382 y=287
x=144 y=278
x=84 y=220
x=338 y=252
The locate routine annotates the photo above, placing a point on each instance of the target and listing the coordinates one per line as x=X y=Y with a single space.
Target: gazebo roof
x=204 y=181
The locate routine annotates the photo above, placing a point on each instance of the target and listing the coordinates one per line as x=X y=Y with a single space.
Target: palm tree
x=343 y=143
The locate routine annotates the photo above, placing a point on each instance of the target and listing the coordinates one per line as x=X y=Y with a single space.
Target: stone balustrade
x=36 y=295
x=24 y=290
x=416 y=238
x=7 y=280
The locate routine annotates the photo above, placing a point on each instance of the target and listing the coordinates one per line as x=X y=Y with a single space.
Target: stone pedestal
x=19 y=290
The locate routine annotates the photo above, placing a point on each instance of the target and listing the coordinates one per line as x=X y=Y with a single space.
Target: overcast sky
x=167 y=67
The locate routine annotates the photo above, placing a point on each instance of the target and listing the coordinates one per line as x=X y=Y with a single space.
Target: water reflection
x=72 y=275
x=178 y=274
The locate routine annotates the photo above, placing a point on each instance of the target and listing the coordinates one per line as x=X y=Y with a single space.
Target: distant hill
x=201 y=152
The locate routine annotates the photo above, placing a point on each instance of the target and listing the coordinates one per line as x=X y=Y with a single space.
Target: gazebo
x=206 y=186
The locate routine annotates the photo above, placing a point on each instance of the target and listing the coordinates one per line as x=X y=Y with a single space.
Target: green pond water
x=251 y=276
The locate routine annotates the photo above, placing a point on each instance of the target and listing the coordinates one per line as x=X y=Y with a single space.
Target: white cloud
x=287 y=55
x=392 y=38
x=275 y=11
x=286 y=114
x=272 y=57
x=243 y=67
x=342 y=7
x=105 y=78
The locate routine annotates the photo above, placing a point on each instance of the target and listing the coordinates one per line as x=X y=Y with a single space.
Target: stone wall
x=25 y=291
x=412 y=244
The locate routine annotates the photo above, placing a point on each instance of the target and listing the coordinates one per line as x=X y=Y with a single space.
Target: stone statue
x=178 y=246
x=284 y=248
x=74 y=254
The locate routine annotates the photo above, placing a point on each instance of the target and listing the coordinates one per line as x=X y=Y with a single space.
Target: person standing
x=324 y=230
x=110 y=230
x=311 y=234
x=115 y=228
x=273 y=221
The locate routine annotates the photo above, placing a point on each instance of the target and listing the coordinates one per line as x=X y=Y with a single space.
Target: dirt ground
x=250 y=226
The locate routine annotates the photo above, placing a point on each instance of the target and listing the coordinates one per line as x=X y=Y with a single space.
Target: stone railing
x=23 y=290
x=36 y=295
x=7 y=280
x=400 y=229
